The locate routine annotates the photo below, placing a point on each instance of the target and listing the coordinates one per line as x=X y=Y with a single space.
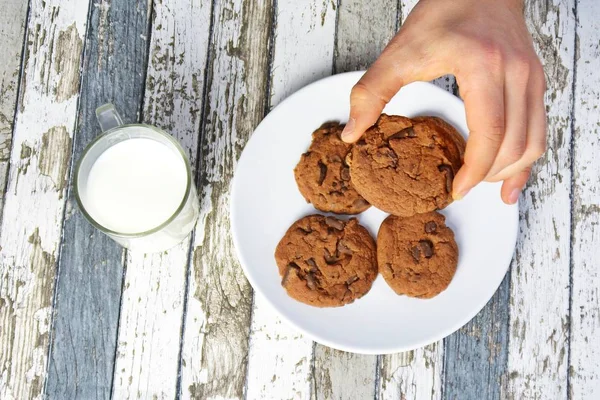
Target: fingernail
x=513 y=197
x=349 y=128
x=460 y=195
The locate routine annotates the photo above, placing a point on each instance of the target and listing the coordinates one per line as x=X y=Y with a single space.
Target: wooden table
x=82 y=319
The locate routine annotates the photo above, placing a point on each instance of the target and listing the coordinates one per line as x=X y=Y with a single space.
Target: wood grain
x=215 y=347
x=35 y=197
x=280 y=358
x=475 y=357
x=364 y=28
x=339 y=375
x=584 y=368
x=12 y=30
x=147 y=361
x=539 y=301
x=90 y=273
x=413 y=374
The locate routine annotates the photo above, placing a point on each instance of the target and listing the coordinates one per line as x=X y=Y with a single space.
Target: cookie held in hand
x=406 y=166
x=326 y=262
x=323 y=177
x=417 y=256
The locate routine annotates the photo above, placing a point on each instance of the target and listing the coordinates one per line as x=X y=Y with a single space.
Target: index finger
x=483 y=95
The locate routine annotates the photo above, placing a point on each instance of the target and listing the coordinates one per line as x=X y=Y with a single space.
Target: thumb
x=395 y=68
x=368 y=98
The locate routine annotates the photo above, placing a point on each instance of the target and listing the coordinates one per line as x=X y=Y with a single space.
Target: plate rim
x=442 y=334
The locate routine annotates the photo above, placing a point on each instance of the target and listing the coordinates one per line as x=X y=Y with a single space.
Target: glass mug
x=164 y=234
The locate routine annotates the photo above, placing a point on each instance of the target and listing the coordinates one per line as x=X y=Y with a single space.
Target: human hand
x=486 y=46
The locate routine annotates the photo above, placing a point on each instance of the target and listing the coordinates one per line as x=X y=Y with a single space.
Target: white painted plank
x=539 y=303
x=280 y=358
x=12 y=27
x=413 y=375
x=147 y=359
x=215 y=347
x=339 y=375
x=35 y=196
x=585 y=303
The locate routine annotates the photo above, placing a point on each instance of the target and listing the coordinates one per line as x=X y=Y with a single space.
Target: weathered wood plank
x=539 y=302
x=280 y=358
x=12 y=30
x=339 y=375
x=35 y=196
x=91 y=265
x=363 y=30
x=415 y=374
x=147 y=361
x=475 y=357
x=584 y=368
x=215 y=347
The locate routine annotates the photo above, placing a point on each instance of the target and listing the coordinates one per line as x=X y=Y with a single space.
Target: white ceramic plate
x=265 y=202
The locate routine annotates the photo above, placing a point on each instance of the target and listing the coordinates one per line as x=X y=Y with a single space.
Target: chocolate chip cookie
x=323 y=176
x=326 y=262
x=417 y=255
x=406 y=166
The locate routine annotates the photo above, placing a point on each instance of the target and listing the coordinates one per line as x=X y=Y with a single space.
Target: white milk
x=135 y=185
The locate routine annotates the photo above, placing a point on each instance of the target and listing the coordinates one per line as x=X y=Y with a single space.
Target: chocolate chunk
x=430 y=227
x=334 y=223
x=404 y=133
x=322 y=172
x=313 y=264
x=345 y=174
x=385 y=157
x=330 y=259
x=449 y=176
x=343 y=249
x=361 y=142
x=351 y=280
x=311 y=282
x=305 y=231
x=426 y=248
x=415 y=251
x=360 y=203
x=335 y=158
x=286 y=274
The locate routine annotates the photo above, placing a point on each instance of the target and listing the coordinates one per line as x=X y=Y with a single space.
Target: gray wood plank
x=475 y=356
x=363 y=30
x=219 y=304
x=12 y=29
x=90 y=270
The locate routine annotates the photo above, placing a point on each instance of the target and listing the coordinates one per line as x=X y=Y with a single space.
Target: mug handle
x=108 y=117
